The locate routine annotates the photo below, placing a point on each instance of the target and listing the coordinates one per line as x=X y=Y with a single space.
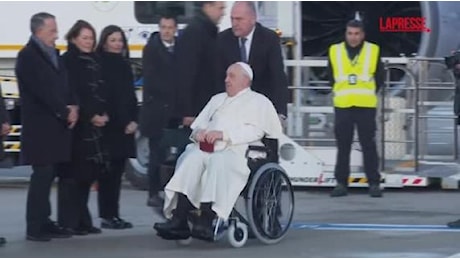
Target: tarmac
x=404 y=223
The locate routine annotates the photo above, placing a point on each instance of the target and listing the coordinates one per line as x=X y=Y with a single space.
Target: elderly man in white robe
x=213 y=170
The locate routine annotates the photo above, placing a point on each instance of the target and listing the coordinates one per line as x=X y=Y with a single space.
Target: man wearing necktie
x=158 y=114
x=244 y=56
x=250 y=42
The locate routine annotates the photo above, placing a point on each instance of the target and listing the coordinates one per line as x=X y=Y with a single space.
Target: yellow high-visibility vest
x=354 y=79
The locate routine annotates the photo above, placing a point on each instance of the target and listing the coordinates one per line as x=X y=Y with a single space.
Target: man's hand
x=200 y=136
x=131 y=128
x=72 y=118
x=6 y=128
x=100 y=121
x=213 y=136
x=188 y=121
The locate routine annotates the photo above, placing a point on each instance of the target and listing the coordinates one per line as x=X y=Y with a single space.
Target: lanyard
x=354 y=61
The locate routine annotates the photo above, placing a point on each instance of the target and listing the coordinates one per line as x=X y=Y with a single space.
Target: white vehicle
x=307 y=30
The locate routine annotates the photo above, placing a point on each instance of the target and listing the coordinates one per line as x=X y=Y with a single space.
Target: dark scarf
x=50 y=51
x=93 y=140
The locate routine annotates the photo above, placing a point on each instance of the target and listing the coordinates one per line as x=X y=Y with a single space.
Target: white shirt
x=167 y=44
x=248 y=42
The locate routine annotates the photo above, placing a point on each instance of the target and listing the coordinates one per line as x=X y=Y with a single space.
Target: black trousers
x=38 y=209
x=345 y=121
x=73 y=195
x=178 y=138
x=153 y=168
x=108 y=196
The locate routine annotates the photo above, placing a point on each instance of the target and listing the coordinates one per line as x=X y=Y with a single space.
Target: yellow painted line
x=17 y=47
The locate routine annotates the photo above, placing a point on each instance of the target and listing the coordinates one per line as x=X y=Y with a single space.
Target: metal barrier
x=406 y=106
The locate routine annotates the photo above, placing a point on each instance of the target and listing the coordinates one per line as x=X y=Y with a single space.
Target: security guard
x=356 y=73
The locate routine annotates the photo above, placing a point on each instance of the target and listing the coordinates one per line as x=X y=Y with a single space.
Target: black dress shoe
x=201 y=232
x=78 y=232
x=375 y=191
x=174 y=229
x=2 y=241
x=173 y=235
x=339 y=191
x=202 y=225
x=53 y=230
x=93 y=230
x=124 y=223
x=112 y=223
x=115 y=223
x=454 y=224
x=39 y=238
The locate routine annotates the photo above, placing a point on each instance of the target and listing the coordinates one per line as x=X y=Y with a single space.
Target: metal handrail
x=415 y=84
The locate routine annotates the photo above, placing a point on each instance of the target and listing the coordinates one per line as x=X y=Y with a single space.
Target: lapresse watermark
x=403 y=24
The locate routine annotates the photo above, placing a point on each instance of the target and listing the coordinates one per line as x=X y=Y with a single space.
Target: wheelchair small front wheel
x=237 y=234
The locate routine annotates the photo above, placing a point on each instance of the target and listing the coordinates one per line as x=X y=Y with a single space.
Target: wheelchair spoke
x=267 y=198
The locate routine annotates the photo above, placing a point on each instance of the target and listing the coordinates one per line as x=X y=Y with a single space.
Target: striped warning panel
x=12 y=146
x=357 y=180
x=361 y=180
x=9 y=87
x=7 y=78
x=414 y=181
x=10 y=95
x=15 y=130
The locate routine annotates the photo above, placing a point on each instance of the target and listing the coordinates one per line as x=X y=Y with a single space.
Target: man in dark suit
x=250 y=42
x=196 y=61
x=4 y=130
x=48 y=113
x=159 y=97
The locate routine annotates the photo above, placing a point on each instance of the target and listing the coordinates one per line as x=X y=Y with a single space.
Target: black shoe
x=39 y=238
x=111 y=223
x=53 y=230
x=2 y=241
x=375 y=192
x=155 y=201
x=173 y=236
x=454 y=224
x=93 y=230
x=115 y=223
x=78 y=231
x=202 y=232
x=124 y=223
x=202 y=225
x=339 y=191
x=174 y=229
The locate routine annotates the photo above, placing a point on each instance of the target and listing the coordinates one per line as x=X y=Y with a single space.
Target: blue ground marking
x=371 y=227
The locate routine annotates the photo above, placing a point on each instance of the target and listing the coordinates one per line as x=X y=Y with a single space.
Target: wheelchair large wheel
x=270 y=203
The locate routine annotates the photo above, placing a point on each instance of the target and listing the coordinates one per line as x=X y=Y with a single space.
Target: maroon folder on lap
x=206 y=147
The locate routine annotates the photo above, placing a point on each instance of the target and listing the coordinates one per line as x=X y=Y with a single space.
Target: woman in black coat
x=122 y=105
x=89 y=149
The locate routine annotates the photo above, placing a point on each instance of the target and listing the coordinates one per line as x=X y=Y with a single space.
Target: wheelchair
x=268 y=202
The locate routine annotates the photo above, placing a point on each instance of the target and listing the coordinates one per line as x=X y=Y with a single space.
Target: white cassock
x=219 y=177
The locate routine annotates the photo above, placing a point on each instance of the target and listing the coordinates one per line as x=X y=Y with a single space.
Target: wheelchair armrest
x=257 y=148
